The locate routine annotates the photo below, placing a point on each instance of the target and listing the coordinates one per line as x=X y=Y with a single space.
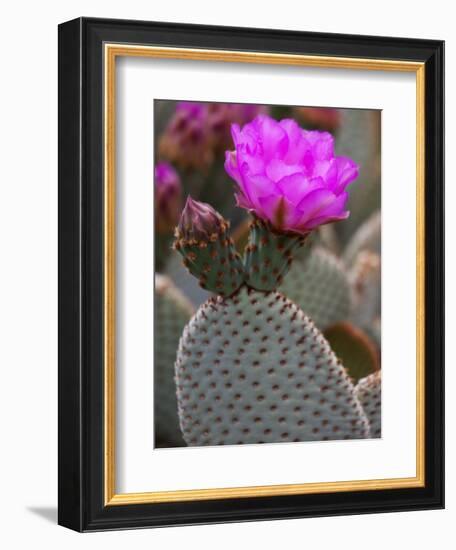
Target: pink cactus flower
x=187 y=140
x=168 y=197
x=197 y=131
x=288 y=176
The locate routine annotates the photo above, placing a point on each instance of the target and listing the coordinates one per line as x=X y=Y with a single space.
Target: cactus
x=208 y=251
x=251 y=366
x=319 y=284
x=187 y=284
x=366 y=237
x=365 y=278
x=369 y=393
x=172 y=312
x=268 y=255
x=254 y=369
x=329 y=239
x=354 y=348
x=359 y=138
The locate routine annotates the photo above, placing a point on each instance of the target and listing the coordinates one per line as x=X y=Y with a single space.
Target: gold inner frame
x=111 y=52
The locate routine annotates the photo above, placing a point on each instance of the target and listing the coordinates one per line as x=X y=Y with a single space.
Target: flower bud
x=200 y=222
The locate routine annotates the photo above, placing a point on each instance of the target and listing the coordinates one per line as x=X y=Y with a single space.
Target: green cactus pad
x=268 y=255
x=253 y=368
x=240 y=235
x=369 y=393
x=214 y=262
x=354 y=348
x=319 y=285
x=172 y=312
x=184 y=280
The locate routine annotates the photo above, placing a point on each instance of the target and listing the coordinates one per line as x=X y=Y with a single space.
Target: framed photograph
x=250 y=274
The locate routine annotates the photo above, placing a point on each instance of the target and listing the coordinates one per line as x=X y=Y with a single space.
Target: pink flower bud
x=200 y=222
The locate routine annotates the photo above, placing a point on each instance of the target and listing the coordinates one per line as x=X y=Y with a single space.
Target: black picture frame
x=81 y=473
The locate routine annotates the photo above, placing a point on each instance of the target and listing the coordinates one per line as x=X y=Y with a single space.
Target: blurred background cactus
x=335 y=280
x=172 y=313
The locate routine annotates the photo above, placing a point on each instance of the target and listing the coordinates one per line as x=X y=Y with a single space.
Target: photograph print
x=267 y=274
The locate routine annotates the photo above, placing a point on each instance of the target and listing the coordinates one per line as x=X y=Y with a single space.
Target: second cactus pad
x=252 y=368
x=319 y=284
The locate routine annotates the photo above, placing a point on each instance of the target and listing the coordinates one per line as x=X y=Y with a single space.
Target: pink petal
x=322 y=144
x=268 y=206
x=236 y=134
x=231 y=166
x=297 y=186
x=255 y=163
x=256 y=185
x=298 y=145
x=333 y=211
x=347 y=171
x=322 y=168
x=322 y=220
x=277 y=169
x=336 y=207
x=337 y=173
x=273 y=137
x=279 y=211
x=312 y=203
x=292 y=128
x=242 y=201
